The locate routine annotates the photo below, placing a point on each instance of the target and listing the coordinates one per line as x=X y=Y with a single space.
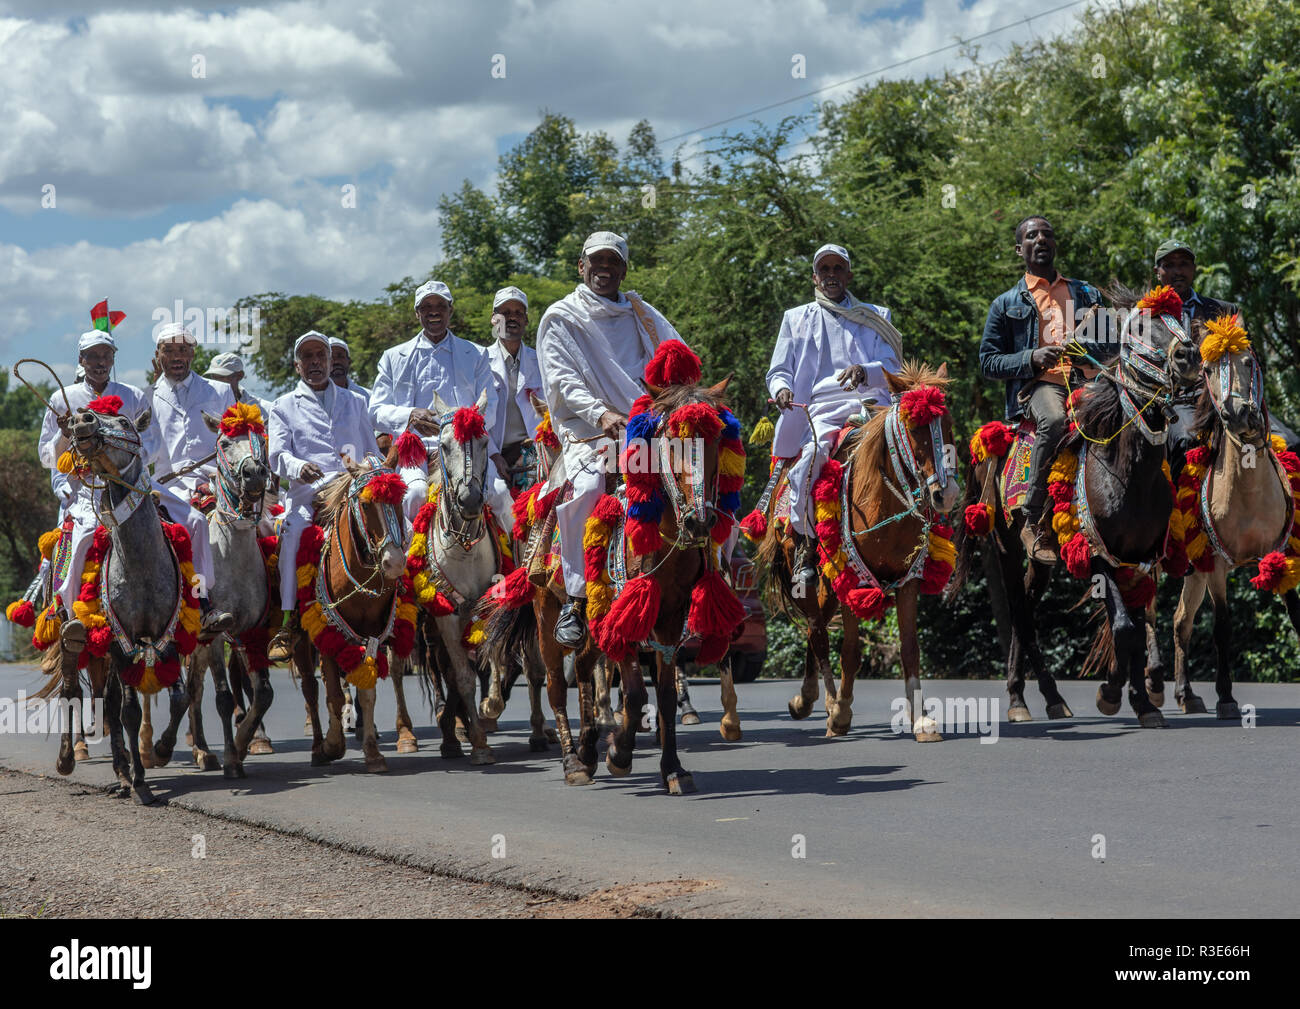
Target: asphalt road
x=1199 y=819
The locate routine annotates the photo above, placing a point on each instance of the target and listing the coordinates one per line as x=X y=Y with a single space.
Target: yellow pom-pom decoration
x=764 y=431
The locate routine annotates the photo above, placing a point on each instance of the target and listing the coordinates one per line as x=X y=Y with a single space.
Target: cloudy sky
x=200 y=155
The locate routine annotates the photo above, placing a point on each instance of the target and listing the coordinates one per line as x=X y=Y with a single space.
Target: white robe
x=303 y=429
x=813 y=346
x=409 y=375
x=79 y=502
x=185 y=439
x=592 y=353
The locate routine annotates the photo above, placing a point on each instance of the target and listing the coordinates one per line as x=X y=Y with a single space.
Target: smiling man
x=310 y=430
x=1024 y=343
x=97 y=351
x=831 y=354
x=592 y=347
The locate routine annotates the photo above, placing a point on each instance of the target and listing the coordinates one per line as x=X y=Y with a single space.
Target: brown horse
x=1238 y=494
x=671 y=574
x=362 y=562
x=892 y=512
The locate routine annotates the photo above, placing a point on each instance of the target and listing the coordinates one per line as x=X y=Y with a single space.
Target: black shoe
x=804 y=552
x=215 y=622
x=571 y=627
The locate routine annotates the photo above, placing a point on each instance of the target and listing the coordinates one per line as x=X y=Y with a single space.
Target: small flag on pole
x=102 y=318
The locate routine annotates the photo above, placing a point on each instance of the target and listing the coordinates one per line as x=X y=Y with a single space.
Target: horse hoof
x=1020 y=713
x=834 y=729
x=680 y=783
x=141 y=795
x=615 y=770
x=1192 y=705
x=554 y=737
x=1106 y=707
x=1226 y=710
x=1151 y=720
x=376 y=765
x=65 y=765
x=690 y=718
x=800 y=707
x=80 y=751
x=334 y=750
x=487 y=724
x=479 y=757
x=1157 y=697
x=575 y=773
x=234 y=770
x=121 y=792
x=730 y=732
x=162 y=755
x=605 y=723
x=537 y=744
x=206 y=761
x=451 y=752
x=320 y=760
x=1061 y=710
x=407 y=746
x=260 y=746
x=928 y=737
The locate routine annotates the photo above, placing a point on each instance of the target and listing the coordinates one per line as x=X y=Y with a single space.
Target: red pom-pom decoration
x=674 y=363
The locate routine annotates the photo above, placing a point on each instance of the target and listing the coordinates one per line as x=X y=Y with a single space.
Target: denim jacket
x=1011 y=337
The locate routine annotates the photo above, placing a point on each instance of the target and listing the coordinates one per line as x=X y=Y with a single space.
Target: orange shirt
x=1055 y=319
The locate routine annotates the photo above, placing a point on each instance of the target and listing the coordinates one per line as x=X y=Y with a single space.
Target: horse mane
x=871 y=445
x=1120 y=296
x=333 y=498
x=671 y=397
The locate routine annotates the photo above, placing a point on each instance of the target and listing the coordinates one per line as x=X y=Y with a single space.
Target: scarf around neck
x=864 y=315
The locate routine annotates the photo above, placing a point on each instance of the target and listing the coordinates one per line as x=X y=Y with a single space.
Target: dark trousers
x=1045 y=402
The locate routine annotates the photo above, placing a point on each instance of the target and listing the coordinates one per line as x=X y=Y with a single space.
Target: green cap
x=1172 y=245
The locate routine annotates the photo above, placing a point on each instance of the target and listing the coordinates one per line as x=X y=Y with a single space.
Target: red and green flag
x=102 y=318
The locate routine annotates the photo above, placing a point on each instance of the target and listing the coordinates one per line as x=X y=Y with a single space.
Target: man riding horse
x=593 y=346
x=1025 y=338
x=437 y=361
x=96 y=352
x=831 y=353
x=312 y=428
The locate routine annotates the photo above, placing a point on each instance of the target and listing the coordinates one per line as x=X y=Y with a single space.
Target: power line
x=872 y=73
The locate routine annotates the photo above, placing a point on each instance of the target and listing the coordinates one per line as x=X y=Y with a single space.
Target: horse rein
x=230 y=506
x=394 y=532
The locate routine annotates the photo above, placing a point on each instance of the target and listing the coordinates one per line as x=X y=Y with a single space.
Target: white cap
x=509 y=294
x=337 y=341
x=225 y=365
x=307 y=337
x=433 y=287
x=172 y=333
x=95 y=338
x=827 y=250
x=598 y=240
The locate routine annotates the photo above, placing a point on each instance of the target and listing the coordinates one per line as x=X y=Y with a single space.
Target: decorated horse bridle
x=127 y=440
x=393 y=531
x=468 y=534
x=230 y=508
x=1149 y=362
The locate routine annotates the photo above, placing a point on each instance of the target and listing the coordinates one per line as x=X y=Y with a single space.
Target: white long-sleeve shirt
x=411 y=372
x=305 y=428
x=185 y=437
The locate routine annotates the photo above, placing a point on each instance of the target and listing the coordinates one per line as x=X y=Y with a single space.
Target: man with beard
x=341 y=368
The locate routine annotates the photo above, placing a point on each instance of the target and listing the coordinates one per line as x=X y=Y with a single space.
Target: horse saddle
x=1015 y=479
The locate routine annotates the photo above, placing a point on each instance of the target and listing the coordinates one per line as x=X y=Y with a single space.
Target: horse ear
x=654 y=390
x=481 y=403
x=214 y=423
x=440 y=405
x=538 y=404
x=354 y=469
x=943 y=370
x=895 y=384
x=142 y=422
x=721 y=387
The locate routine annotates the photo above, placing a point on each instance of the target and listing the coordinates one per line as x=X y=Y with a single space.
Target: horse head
x=108 y=442
x=686 y=429
x=242 y=472
x=1234 y=383
x=922 y=418
x=1155 y=345
x=463 y=456
x=371 y=500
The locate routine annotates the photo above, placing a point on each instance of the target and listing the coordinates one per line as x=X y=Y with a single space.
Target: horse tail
x=962 y=538
x=1101 y=653
x=509 y=632
x=52 y=669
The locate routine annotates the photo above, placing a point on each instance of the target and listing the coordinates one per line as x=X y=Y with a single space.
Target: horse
x=660 y=577
x=352 y=600
x=1111 y=498
x=1237 y=504
x=880 y=505
x=454 y=560
x=137 y=612
x=237 y=559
